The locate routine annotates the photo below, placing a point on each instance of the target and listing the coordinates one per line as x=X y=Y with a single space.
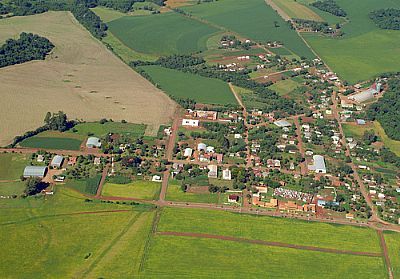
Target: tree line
x=28 y=47
x=387 y=109
x=194 y=65
x=329 y=6
x=386 y=18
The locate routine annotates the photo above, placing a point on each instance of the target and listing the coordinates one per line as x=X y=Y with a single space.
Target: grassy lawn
x=211 y=258
x=174 y=193
x=73 y=245
x=284 y=87
x=101 y=130
x=139 y=189
x=359 y=54
x=85 y=186
x=392 y=240
x=294 y=9
x=393 y=145
x=185 y=85
x=163 y=34
x=252 y=19
x=12 y=165
x=12 y=188
x=270 y=229
x=107 y=14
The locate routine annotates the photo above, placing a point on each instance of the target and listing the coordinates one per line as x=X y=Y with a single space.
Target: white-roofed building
x=93 y=142
x=201 y=147
x=188 y=152
x=35 y=171
x=226 y=174
x=319 y=164
x=282 y=123
x=212 y=171
x=364 y=96
x=57 y=162
x=190 y=122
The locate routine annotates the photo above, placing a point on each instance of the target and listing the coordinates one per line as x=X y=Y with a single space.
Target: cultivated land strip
x=385 y=253
x=271 y=243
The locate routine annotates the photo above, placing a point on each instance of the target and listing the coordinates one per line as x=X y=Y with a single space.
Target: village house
x=190 y=122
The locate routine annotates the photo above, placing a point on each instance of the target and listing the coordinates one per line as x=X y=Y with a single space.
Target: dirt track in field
x=269 y=243
x=80 y=77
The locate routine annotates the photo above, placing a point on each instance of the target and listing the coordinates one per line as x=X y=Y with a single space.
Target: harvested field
x=81 y=77
x=295 y=9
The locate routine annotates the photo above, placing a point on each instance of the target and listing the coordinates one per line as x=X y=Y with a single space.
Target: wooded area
x=331 y=7
x=386 y=18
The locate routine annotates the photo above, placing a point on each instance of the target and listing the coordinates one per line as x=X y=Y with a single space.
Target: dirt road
x=385 y=253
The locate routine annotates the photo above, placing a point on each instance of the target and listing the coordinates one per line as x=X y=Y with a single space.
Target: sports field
x=365 y=50
x=81 y=77
x=185 y=85
x=284 y=87
x=252 y=19
x=12 y=165
x=73 y=237
x=139 y=189
x=294 y=9
x=162 y=34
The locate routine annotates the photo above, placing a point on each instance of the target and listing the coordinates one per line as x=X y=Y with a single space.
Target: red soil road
x=300 y=145
x=61 y=152
x=385 y=253
x=103 y=180
x=271 y=243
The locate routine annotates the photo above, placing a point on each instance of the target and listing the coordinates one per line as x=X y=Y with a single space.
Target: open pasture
x=284 y=87
x=175 y=193
x=269 y=229
x=252 y=19
x=365 y=50
x=190 y=257
x=139 y=189
x=52 y=143
x=162 y=34
x=185 y=85
x=12 y=188
x=81 y=77
x=12 y=165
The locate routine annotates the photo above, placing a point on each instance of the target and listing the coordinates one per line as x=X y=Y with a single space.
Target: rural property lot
x=81 y=77
x=252 y=19
x=349 y=56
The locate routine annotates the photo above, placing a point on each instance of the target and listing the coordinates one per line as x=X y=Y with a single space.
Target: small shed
x=201 y=147
x=93 y=142
x=57 y=161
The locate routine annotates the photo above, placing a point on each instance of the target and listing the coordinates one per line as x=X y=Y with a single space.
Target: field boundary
x=271 y=243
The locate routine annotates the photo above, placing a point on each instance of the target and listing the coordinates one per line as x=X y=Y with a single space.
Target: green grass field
x=139 y=189
x=252 y=19
x=182 y=257
x=48 y=233
x=174 y=193
x=270 y=229
x=185 y=85
x=101 y=130
x=107 y=14
x=12 y=165
x=12 y=188
x=162 y=34
x=365 y=50
x=284 y=87
x=392 y=240
x=52 y=143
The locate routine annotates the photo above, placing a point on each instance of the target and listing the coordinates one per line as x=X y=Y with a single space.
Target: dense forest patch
x=387 y=109
x=27 y=48
x=330 y=6
x=386 y=18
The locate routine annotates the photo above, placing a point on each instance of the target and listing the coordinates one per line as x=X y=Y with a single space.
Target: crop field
x=12 y=166
x=294 y=9
x=139 y=189
x=364 y=46
x=205 y=258
x=252 y=19
x=101 y=130
x=52 y=143
x=174 y=193
x=185 y=85
x=81 y=77
x=269 y=229
x=99 y=238
x=392 y=240
x=162 y=34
